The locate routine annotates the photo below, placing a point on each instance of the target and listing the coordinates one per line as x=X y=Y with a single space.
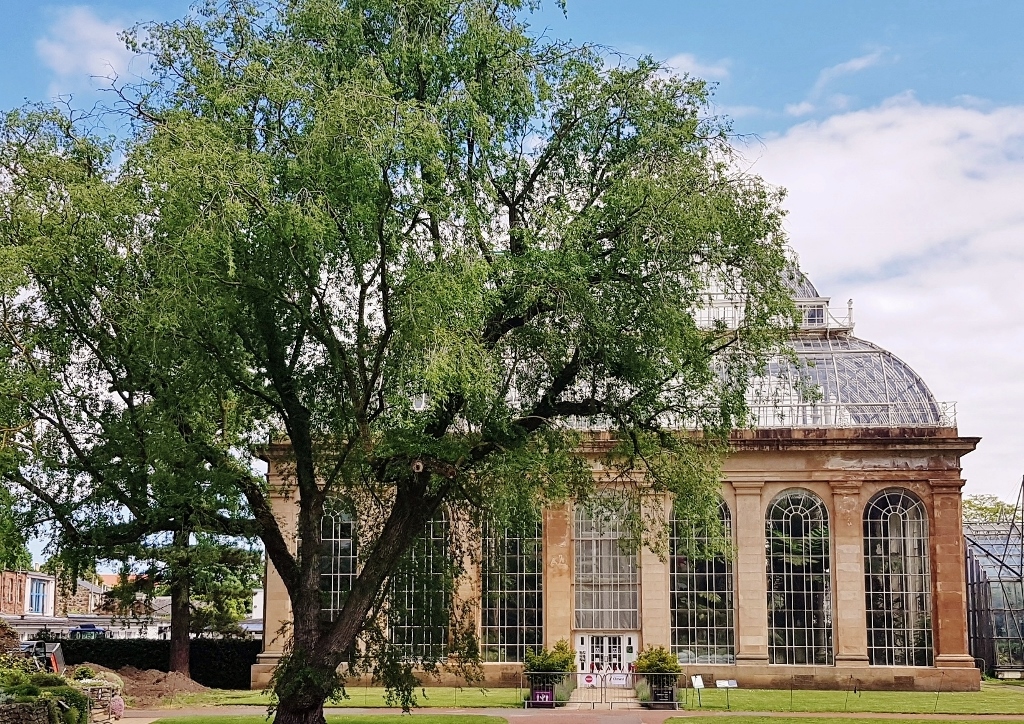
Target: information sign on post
x=698 y=683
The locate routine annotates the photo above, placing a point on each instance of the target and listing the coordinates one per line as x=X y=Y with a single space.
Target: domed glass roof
x=838 y=380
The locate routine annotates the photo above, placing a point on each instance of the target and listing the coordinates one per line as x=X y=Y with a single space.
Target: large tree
x=417 y=247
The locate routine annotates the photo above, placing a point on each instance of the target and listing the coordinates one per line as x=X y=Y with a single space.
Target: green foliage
x=560 y=658
x=10 y=678
x=643 y=691
x=23 y=690
x=72 y=698
x=989 y=509
x=44 y=678
x=84 y=672
x=657 y=660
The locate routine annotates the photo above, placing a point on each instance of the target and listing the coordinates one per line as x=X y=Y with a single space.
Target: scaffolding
x=995 y=584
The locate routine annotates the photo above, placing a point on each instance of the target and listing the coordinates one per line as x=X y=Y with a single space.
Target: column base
x=851 y=660
x=751 y=659
x=955 y=661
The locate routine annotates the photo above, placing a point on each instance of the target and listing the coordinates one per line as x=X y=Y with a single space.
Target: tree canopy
x=412 y=252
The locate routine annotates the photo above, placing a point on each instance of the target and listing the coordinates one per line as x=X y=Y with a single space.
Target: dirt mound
x=146 y=688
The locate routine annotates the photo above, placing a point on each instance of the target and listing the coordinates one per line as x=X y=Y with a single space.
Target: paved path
x=563 y=716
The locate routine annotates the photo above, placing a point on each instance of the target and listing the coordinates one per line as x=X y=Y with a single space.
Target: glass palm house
x=842 y=559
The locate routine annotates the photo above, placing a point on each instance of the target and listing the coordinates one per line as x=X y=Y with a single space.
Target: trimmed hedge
x=217 y=663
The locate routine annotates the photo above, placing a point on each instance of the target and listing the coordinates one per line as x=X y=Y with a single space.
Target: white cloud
x=816 y=98
x=689 y=63
x=915 y=211
x=79 y=48
x=848 y=67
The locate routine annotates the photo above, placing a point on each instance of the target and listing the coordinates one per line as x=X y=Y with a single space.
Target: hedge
x=217 y=663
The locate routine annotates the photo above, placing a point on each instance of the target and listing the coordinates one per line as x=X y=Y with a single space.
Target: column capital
x=845 y=487
x=747 y=487
x=947 y=486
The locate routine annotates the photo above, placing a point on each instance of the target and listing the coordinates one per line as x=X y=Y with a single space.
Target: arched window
x=799 y=580
x=337 y=562
x=511 y=592
x=607 y=580
x=420 y=598
x=897 y=580
x=701 y=590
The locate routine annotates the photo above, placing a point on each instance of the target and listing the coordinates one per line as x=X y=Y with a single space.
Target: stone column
x=655 y=614
x=851 y=634
x=558 y=602
x=277 y=606
x=949 y=617
x=750 y=579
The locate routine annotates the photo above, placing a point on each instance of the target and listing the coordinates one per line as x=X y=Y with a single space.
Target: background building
x=845 y=563
x=995 y=577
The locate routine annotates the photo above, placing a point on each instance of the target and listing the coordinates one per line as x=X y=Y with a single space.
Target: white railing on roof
x=819 y=414
x=816 y=315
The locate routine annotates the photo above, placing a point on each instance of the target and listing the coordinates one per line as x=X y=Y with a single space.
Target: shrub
x=10 y=678
x=560 y=658
x=24 y=690
x=43 y=678
x=73 y=698
x=643 y=691
x=85 y=672
x=657 y=660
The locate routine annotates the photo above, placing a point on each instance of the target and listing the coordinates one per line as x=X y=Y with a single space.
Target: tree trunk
x=181 y=613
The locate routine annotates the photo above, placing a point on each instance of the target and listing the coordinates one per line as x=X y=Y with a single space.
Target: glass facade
x=607 y=578
x=337 y=562
x=420 y=596
x=995 y=602
x=512 y=600
x=897 y=580
x=799 y=580
x=701 y=590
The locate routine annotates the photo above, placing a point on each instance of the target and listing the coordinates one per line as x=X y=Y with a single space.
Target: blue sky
x=897 y=128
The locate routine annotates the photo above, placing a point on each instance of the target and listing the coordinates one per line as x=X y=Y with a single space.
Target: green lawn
x=347 y=719
x=360 y=696
x=814 y=720
x=992 y=699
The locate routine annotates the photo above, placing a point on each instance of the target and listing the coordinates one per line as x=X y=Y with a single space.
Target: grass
x=347 y=719
x=359 y=696
x=814 y=720
x=992 y=699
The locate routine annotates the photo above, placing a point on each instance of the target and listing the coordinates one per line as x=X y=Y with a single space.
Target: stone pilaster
x=851 y=635
x=655 y=614
x=749 y=573
x=558 y=569
x=949 y=617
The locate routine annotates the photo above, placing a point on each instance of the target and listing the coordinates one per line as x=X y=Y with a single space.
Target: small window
x=814 y=316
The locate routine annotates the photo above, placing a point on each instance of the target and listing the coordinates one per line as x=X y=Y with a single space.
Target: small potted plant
x=660 y=671
x=547 y=672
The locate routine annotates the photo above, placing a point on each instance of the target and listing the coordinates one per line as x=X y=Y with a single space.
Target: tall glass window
x=897 y=580
x=799 y=580
x=37 y=596
x=606 y=579
x=702 y=590
x=421 y=594
x=337 y=562
x=511 y=582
